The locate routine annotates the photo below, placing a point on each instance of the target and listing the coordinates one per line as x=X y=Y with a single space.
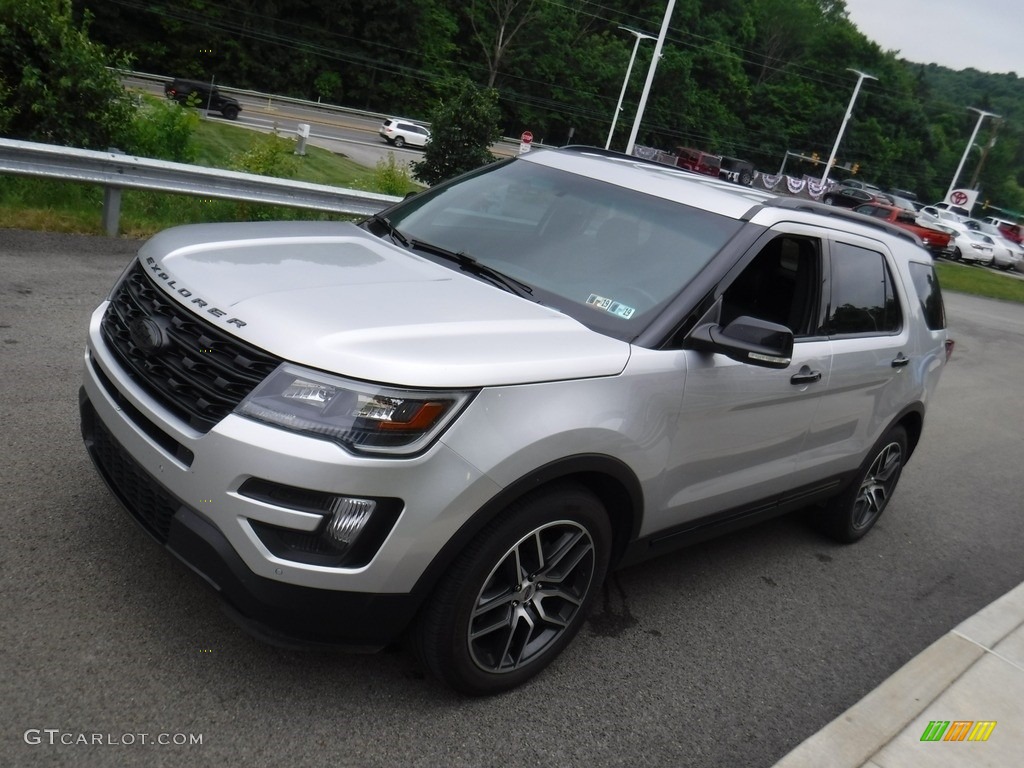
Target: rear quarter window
x=926 y=286
x=863 y=300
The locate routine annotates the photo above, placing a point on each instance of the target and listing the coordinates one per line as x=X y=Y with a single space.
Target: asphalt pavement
x=730 y=653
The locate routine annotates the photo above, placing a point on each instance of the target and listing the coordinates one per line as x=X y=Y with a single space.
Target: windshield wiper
x=391 y=229
x=468 y=264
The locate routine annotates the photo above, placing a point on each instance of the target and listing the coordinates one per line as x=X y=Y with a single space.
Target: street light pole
x=650 y=77
x=861 y=76
x=618 y=107
x=970 y=143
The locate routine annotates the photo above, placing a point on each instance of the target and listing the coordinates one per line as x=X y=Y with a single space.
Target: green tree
x=328 y=86
x=463 y=127
x=54 y=83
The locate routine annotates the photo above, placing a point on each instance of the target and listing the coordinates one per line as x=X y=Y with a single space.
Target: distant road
x=349 y=133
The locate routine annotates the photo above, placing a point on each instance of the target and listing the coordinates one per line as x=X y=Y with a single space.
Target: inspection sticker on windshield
x=609 y=305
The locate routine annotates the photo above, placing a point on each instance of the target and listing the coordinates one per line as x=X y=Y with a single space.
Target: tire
x=746 y=178
x=829 y=200
x=851 y=514
x=957 y=255
x=230 y=112
x=399 y=142
x=518 y=593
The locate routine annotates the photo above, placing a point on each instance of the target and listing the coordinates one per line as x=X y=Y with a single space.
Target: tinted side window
x=779 y=285
x=862 y=299
x=926 y=285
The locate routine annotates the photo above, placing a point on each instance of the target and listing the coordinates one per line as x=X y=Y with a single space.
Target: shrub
x=392 y=177
x=269 y=154
x=165 y=130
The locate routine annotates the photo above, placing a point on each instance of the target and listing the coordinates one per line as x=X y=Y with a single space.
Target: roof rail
x=610 y=153
x=811 y=206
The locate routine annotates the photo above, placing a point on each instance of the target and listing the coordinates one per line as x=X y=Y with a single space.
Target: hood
x=334 y=297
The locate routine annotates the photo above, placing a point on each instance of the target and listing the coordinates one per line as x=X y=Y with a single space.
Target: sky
x=987 y=35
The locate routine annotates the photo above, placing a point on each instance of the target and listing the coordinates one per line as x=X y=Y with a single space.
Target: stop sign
x=524 y=141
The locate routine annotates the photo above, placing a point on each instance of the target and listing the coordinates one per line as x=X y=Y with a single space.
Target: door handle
x=805 y=376
x=900 y=360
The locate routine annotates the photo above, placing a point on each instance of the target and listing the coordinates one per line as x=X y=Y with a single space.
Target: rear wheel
x=518 y=594
x=854 y=512
x=399 y=142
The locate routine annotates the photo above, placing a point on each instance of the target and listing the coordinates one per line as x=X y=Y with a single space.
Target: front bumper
x=188 y=490
x=274 y=611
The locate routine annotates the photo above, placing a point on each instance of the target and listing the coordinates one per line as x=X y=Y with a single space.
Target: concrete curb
x=853 y=738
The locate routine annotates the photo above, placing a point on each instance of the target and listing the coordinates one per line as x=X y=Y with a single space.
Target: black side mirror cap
x=746 y=340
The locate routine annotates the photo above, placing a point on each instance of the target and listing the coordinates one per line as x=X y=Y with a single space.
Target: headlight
x=364 y=418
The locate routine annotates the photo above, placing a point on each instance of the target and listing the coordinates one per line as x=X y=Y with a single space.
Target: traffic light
x=856 y=167
x=814 y=157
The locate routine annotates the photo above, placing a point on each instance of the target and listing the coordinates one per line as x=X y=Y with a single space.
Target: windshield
x=610 y=256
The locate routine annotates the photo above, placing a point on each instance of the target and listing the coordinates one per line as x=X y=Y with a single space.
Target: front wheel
x=854 y=512
x=230 y=112
x=518 y=594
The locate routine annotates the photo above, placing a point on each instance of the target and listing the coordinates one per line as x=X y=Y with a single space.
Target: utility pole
x=650 y=77
x=861 y=76
x=984 y=154
x=970 y=143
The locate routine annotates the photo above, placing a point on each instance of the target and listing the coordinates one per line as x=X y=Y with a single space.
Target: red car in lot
x=699 y=162
x=938 y=243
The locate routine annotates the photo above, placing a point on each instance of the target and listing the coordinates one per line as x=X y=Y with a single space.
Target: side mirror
x=746 y=340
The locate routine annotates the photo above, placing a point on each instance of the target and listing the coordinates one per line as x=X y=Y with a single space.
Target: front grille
x=200 y=373
x=146 y=499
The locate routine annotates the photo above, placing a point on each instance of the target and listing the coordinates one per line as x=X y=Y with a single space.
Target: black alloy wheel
x=518 y=594
x=849 y=516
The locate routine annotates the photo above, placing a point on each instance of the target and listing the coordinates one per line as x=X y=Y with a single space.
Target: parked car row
x=977 y=241
x=946 y=231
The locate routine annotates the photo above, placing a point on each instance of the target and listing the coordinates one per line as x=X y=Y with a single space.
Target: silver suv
x=445 y=424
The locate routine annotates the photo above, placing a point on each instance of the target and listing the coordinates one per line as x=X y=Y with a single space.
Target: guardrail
x=116 y=171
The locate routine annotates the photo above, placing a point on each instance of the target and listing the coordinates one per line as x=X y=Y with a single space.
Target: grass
x=979 y=282
x=55 y=206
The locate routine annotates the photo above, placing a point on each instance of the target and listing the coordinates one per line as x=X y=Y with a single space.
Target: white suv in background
x=447 y=423
x=400 y=132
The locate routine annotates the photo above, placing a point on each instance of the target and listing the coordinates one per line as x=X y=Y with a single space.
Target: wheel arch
x=912 y=420
x=608 y=478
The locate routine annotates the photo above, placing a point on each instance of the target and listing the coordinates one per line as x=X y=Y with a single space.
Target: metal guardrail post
x=112 y=205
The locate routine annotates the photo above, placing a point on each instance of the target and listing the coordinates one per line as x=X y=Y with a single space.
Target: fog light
x=348 y=518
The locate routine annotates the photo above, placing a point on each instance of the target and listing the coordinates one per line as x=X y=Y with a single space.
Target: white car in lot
x=972 y=246
x=1007 y=254
x=402 y=132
